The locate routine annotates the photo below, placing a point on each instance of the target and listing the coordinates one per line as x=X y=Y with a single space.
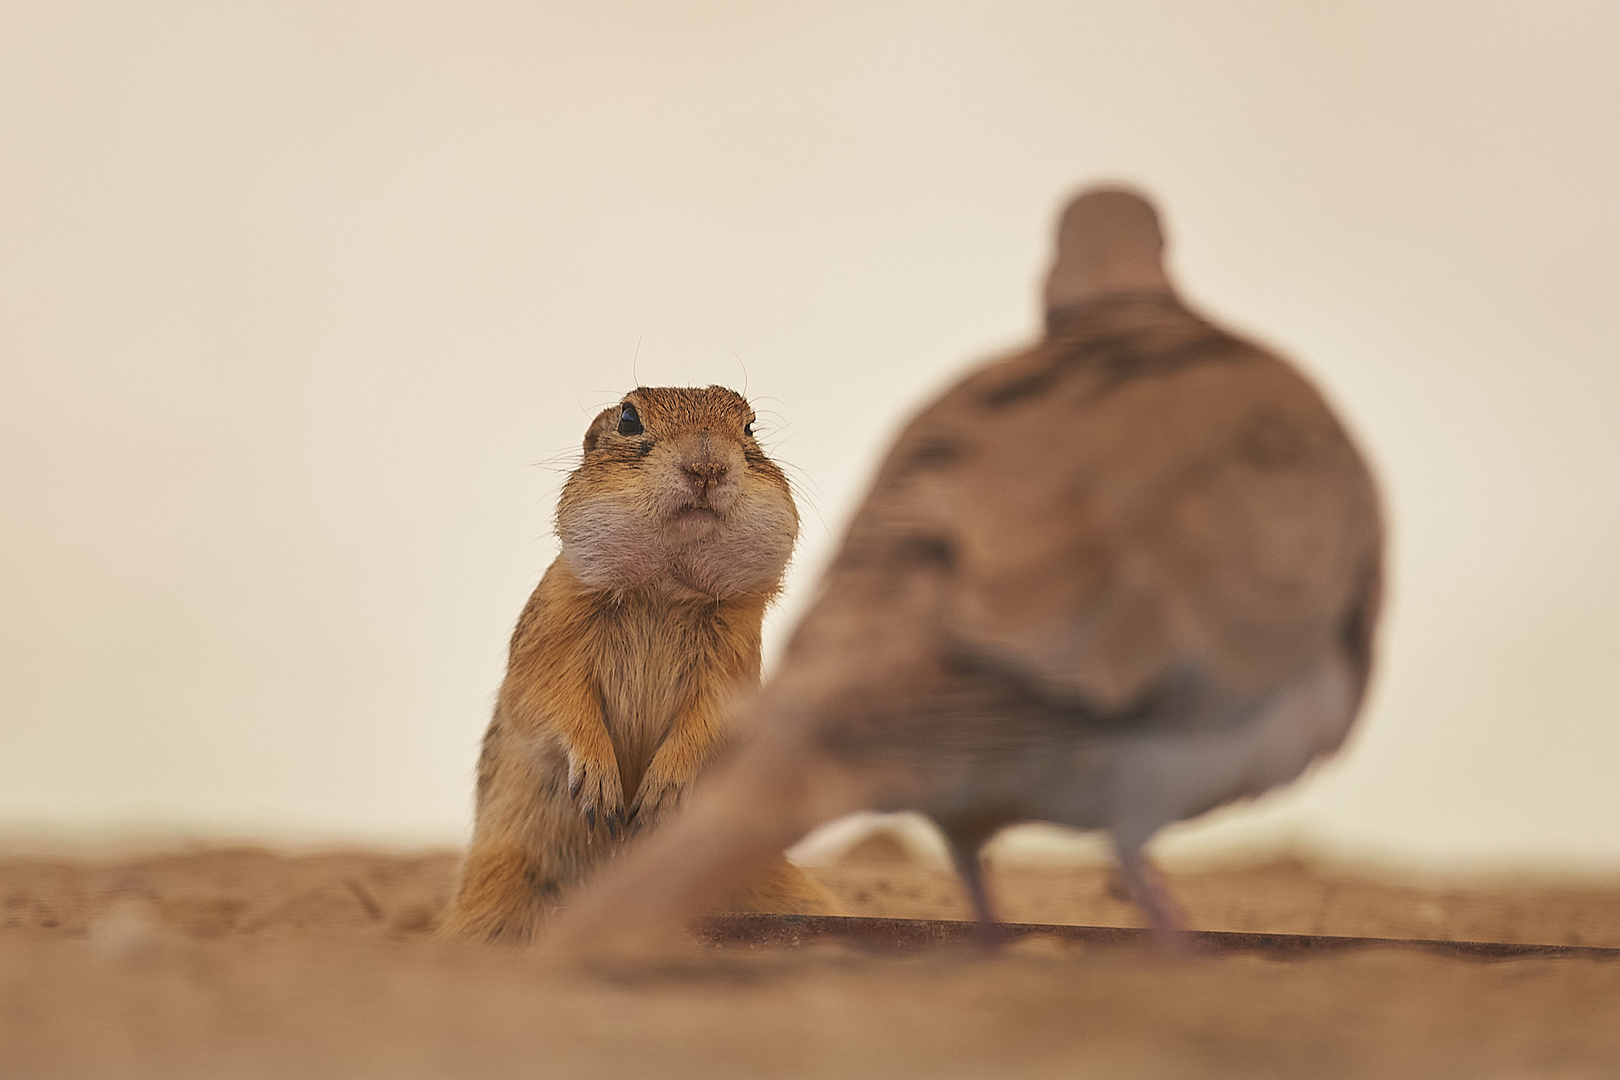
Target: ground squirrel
x=675 y=531
x=1113 y=580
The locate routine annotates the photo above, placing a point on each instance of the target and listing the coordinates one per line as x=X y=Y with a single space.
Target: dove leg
x=971 y=869
x=1146 y=886
x=1162 y=779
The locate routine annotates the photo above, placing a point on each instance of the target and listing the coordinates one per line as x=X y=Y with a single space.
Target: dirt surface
x=246 y=963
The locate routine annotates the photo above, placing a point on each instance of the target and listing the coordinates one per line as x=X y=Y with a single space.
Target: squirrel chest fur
x=624 y=672
x=675 y=529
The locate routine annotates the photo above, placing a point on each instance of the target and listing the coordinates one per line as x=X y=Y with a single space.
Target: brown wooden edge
x=755 y=930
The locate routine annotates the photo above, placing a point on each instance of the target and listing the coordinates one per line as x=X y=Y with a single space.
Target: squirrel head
x=674 y=494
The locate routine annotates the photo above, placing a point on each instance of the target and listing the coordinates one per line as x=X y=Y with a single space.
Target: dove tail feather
x=739 y=820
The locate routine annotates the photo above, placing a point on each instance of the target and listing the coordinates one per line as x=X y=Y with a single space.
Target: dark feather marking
x=926 y=550
x=936 y=452
x=1273 y=439
x=1356 y=628
x=1121 y=357
x=1129 y=364
x=981 y=707
x=1032 y=385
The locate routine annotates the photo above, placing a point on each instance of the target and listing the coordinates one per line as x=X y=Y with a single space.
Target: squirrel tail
x=736 y=823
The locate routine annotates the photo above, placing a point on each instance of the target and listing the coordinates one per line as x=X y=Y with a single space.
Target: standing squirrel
x=675 y=529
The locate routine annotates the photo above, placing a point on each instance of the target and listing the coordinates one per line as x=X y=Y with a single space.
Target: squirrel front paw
x=597 y=791
x=657 y=793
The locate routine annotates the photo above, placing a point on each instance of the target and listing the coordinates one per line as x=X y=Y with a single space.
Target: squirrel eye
x=630 y=421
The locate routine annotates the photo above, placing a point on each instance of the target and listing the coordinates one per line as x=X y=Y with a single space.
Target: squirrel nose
x=706 y=473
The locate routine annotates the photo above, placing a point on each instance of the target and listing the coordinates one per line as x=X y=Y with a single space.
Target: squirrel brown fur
x=675 y=531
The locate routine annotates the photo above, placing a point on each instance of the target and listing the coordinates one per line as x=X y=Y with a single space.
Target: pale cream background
x=297 y=300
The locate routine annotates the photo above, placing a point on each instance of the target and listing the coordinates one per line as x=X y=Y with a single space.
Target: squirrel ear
x=593 y=434
x=605 y=419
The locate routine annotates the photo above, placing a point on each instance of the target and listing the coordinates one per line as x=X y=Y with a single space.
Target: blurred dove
x=1113 y=581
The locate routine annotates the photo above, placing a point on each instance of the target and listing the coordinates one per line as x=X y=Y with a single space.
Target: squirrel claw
x=594 y=788
x=652 y=802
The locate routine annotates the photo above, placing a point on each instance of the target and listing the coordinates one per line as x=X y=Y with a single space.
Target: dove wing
x=1117 y=510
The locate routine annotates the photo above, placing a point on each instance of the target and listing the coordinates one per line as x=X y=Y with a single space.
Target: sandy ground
x=246 y=963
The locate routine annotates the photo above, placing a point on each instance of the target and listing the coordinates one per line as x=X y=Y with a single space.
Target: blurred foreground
x=248 y=963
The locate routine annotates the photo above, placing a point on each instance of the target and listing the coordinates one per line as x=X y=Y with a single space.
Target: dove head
x=1108 y=242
